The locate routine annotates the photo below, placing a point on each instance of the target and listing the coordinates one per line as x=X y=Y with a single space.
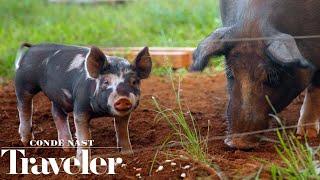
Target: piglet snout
x=123 y=104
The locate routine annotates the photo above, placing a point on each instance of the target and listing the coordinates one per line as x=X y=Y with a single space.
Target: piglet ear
x=143 y=63
x=95 y=62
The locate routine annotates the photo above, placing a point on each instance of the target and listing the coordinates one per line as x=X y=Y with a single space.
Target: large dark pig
x=271 y=48
x=80 y=80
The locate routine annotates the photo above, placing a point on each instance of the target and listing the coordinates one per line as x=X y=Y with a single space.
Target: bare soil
x=204 y=95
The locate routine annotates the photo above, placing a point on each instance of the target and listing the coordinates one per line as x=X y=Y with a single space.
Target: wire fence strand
x=173 y=144
x=193 y=42
x=222 y=137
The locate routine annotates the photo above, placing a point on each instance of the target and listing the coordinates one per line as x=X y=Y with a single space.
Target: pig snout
x=245 y=133
x=123 y=104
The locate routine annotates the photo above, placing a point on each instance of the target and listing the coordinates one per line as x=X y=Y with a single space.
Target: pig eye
x=272 y=80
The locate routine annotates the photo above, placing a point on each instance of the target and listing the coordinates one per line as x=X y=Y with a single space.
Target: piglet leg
x=60 y=118
x=122 y=134
x=83 y=134
x=310 y=113
x=25 y=116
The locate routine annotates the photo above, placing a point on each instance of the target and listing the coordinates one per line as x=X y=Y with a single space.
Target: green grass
x=189 y=136
x=299 y=160
x=137 y=23
x=167 y=70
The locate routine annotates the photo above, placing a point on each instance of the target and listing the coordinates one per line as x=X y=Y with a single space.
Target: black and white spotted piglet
x=80 y=80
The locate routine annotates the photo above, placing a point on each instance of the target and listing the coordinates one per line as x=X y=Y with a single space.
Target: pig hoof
x=309 y=132
x=25 y=142
x=126 y=152
x=26 y=139
x=67 y=148
x=312 y=133
x=240 y=143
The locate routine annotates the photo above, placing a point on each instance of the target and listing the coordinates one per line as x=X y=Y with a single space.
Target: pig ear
x=95 y=62
x=214 y=45
x=283 y=50
x=143 y=63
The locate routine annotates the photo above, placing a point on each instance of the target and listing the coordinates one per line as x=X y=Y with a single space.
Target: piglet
x=80 y=80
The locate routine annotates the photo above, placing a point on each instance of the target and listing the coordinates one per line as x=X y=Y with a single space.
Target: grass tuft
x=192 y=142
x=299 y=160
x=189 y=136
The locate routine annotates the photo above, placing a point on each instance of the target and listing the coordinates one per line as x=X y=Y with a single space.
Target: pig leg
x=25 y=108
x=60 y=118
x=310 y=113
x=82 y=133
x=122 y=134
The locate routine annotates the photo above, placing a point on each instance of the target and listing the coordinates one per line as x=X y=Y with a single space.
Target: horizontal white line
x=56 y=147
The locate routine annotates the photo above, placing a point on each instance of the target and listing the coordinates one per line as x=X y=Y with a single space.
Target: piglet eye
x=229 y=74
x=135 y=82
x=106 y=83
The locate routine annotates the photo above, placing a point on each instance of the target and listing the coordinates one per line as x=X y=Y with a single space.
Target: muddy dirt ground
x=205 y=96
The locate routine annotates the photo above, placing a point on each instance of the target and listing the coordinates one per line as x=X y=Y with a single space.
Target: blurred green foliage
x=136 y=23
